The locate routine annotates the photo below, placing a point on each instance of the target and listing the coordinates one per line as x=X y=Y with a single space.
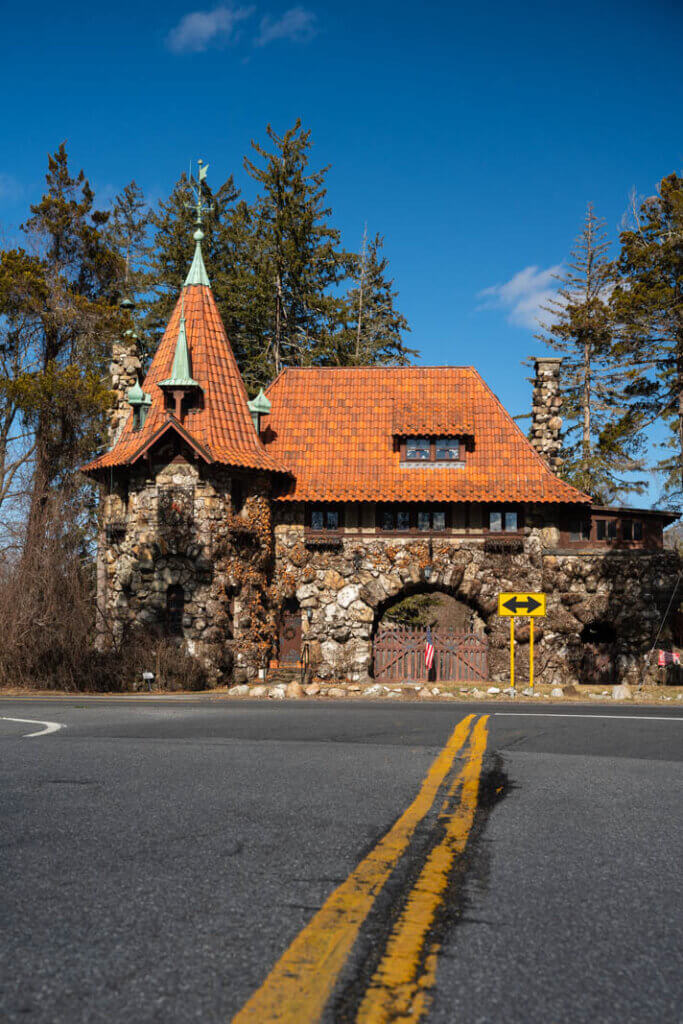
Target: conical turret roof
x=221 y=427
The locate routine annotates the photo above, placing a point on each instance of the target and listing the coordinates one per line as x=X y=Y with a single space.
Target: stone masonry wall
x=179 y=526
x=546 y=402
x=344 y=591
x=125 y=369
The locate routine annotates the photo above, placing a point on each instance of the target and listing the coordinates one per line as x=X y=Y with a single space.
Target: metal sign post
x=513 y=606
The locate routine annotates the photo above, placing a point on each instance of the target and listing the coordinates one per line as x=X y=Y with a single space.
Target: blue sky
x=471 y=135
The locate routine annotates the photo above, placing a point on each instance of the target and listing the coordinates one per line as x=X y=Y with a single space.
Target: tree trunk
x=586 y=401
x=277 y=348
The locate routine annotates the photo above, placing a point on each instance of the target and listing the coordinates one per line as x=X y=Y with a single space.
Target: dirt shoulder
x=494 y=693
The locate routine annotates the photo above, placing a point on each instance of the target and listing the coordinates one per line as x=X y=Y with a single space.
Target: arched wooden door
x=290 y=633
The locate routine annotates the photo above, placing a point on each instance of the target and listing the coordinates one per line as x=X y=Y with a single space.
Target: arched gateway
x=453 y=629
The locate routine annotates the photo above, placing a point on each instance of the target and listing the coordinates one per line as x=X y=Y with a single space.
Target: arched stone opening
x=457 y=630
x=448 y=609
x=598 y=653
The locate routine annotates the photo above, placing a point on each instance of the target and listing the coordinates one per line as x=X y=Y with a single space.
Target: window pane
x=601 y=529
x=387 y=519
x=627 y=529
x=439 y=520
x=495 y=521
x=332 y=518
x=403 y=520
x=417 y=448
x=423 y=520
x=575 y=530
x=611 y=528
x=447 y=448
x=317 y=521
x=510 y=520
x=637 y=529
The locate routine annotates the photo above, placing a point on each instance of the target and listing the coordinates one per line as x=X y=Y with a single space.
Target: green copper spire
x=180 y=374
x=197 y=273
x=258 y=407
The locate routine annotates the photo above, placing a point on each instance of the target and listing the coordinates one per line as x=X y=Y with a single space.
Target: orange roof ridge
x=222 y=426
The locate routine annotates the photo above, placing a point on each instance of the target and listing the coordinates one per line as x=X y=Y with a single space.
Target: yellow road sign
x=521 y=604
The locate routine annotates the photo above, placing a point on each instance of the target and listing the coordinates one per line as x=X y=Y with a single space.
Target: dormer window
x=418 y=449
x=437 y=451
x=447 y=448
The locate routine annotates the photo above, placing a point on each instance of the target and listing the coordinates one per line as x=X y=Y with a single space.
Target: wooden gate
x=399 y=656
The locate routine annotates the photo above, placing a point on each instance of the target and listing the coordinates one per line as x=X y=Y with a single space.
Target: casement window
x=394 y=518
x=431 y=519
x=430 y=449
x=631 y=529
x=325 y=517
x=418 y=449
x=447 y=449
x=503 y=521
x=579 y=530
x=606 y=529
x=403 y=519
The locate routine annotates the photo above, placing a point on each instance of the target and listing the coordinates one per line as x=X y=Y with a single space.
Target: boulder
x=258 y=691
x=557 y=691
x=493 y=689
x=373 y=691
x=277 y=692
x=239 y=691
x=622 y=692
x=312 y=690
x=336 y=691
x=294 y=690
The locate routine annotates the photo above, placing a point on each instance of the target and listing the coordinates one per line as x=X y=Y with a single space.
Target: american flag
x=429 y=649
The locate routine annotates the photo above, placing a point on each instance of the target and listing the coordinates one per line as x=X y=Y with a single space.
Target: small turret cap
x=260 y=404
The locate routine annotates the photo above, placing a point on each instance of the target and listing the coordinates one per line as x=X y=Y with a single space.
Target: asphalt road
x=159 y=858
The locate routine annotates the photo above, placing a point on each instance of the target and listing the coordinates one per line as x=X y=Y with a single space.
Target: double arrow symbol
x=529 y=605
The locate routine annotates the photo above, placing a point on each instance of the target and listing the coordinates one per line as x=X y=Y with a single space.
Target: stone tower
x=186 y=484
x=546 y=402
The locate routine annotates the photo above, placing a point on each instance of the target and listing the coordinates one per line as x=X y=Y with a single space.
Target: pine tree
x=374 y=328
x=127 y=233
x=601 y=439
x=173 y=225
x=297 y=260
x=59 y=300
x=648 y=305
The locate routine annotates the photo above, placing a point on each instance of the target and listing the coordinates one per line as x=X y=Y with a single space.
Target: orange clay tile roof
x=334 y=429
x=431 y=420
x=223 y=428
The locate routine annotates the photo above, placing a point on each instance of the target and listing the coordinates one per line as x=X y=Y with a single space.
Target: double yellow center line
x=302 y=981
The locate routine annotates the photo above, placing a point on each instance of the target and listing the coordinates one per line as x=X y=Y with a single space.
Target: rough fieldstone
x=347 y=595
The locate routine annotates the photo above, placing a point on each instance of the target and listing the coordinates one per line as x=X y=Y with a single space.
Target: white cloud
x=197 y=30
x=524 y=295
x=297 y=24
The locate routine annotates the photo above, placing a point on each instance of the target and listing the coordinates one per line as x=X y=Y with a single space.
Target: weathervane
x=199 y=206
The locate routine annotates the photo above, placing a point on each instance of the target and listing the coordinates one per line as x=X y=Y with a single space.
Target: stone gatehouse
x=267 y=531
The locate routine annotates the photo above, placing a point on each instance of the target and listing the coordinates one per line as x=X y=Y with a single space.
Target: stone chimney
x=124 y=372
x=546 y=422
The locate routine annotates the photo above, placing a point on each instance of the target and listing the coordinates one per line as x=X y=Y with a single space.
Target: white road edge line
x=49 y=726
x=559 y=714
